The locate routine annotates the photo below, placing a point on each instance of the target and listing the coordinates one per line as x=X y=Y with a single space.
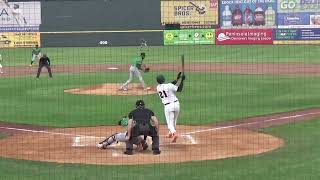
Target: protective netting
x=170 y=89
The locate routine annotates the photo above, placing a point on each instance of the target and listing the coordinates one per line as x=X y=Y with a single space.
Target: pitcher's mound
x=112 y=90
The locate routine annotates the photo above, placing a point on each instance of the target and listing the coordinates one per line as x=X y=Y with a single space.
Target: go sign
x=288 y=4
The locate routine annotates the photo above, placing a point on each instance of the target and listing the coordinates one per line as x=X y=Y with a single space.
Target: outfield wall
x=105 y=39
x=100 y=15
x=162 y=22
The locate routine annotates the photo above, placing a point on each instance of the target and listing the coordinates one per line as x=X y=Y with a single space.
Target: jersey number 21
x=162 y=94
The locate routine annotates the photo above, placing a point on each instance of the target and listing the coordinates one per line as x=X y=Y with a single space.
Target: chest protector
x=141 y=127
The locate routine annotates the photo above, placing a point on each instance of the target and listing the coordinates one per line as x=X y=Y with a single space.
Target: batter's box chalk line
x=83 y=141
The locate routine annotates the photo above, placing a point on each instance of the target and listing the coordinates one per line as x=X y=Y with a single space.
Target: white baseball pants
x=171 y=111
x=36 y=57
x=134 y=71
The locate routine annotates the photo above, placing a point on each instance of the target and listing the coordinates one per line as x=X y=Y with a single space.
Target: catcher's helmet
x=160 y=79
x=140 y=103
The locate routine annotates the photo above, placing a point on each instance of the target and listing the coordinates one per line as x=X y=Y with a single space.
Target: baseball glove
x=146 y=69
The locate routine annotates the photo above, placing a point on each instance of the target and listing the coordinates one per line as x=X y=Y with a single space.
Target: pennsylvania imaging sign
x=244 y=36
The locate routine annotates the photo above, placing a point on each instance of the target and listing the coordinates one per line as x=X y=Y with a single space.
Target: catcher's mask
x=160 y=79
x=140 y=104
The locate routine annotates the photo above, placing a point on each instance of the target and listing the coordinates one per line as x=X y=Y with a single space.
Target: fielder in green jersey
x=35 y=54
x=135 y=70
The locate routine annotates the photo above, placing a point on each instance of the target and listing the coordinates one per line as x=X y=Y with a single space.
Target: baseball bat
x=182 y=63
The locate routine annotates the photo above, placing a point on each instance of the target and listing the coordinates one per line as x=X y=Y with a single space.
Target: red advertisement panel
x=244 y=36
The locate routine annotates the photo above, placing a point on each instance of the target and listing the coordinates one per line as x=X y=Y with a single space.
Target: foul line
x=46 y=132
x=256 y=122
x=188 y=135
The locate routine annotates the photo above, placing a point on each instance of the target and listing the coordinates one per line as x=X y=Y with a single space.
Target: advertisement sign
x=244 y=36
x=19 y=39
x=298 y=13
x=190 y=14
x=188 y=37
x=296 y=36
x=298 y=6
x=248 y=14
x=20 y=15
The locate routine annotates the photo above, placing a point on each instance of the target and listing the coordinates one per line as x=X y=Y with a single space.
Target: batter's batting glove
x=179 y=75
x=183 y=77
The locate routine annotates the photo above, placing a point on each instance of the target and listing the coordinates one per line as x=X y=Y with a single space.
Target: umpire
x=142 y=121
x=44 y=61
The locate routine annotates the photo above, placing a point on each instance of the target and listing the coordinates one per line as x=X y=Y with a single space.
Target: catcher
x=120 y=137
x=134 y=70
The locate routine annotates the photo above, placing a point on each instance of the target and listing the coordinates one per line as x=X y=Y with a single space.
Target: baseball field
x=247 y=112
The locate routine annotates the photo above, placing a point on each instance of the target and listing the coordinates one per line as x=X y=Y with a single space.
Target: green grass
x=298 y=159
x=170 y=54
x=207 y=98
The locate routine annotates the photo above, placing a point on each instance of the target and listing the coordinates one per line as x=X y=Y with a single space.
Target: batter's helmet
x=160 y=79
x=140 y=103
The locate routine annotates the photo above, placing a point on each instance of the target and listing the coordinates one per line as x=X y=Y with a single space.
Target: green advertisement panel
x=188 y=36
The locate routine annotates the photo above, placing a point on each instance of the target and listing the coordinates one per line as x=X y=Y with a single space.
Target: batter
x=166 y=92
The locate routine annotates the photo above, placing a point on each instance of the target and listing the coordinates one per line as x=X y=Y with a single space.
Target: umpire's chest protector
x=141 y=117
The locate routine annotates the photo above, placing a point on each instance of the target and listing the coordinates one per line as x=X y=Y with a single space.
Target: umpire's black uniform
x=141 y=119
x=44 y=61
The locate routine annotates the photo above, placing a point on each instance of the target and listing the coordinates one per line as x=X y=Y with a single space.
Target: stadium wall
x=119 y=22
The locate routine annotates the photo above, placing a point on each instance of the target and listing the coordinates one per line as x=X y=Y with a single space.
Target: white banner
x=20 y=14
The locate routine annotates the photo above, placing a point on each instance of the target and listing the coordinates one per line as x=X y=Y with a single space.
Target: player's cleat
x=174 y=137
x=128 y=152
x=169 y=135
x=101 y=146
x=156 y=152
x=123 y=88
x=30 y=65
